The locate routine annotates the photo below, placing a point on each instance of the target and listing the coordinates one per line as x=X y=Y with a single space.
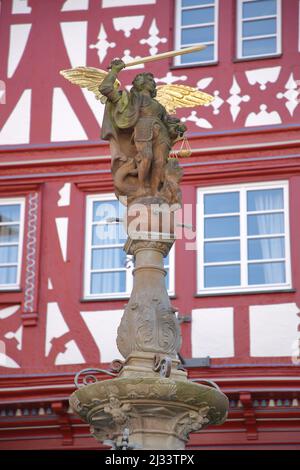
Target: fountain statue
x=149 y=403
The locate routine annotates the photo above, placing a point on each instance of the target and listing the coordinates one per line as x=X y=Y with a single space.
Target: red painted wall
x=226 y=151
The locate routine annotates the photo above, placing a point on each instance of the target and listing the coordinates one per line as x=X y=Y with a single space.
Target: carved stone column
x=149 y=330
x=151 y=399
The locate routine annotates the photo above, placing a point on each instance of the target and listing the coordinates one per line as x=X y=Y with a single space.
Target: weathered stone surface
x=141 y=134
x=149 y=323
x=149 y=407
x=151 y=399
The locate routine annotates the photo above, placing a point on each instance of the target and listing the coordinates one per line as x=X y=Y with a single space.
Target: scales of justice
x=148 y=403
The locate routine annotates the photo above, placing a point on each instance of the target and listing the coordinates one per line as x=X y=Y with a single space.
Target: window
x=11 y=242
x=108 y=270
x=259 y=28
x=243 y=240
x=196 y=23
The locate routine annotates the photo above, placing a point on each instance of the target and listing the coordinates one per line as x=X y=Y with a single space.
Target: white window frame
x=241 y=188
x=88 y=251
x=21 y=202
x=171 y=290
x=240 y=30
x=178 y=27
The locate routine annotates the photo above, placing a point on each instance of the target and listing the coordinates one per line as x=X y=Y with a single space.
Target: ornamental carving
x=132 y=246
x=29 y=314
x=117 y=410
x=75 y=403
x=192 y=421
x=149 y=327
x=162 y=389
x=135 y=400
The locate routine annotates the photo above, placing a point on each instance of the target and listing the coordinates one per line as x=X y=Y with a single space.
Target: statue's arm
x=107 y=88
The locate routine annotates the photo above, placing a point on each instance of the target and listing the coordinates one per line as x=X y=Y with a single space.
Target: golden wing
x=181 y=96
x=88 y=77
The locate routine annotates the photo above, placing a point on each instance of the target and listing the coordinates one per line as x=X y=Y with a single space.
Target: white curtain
x=266 y=248
x=272 y=273
x=108 y=258
x=265 y=200
x=8 y=275
x=108 y=282
x=8 y=254
x=108 y=234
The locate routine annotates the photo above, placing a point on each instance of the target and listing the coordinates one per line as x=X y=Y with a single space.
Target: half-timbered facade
x=234 y=275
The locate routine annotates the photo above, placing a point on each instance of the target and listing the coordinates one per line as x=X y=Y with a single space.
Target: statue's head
x=145 y=81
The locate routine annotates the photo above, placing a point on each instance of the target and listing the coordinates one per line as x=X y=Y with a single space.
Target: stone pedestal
x=151 y=398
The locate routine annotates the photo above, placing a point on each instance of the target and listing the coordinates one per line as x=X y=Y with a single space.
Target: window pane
x=258 y=47
x=197 y=35
x=108 y=234
x=9 y=233
x=265 y=199
x=104 y=209
x=10 y=213
x=108 y=258
x=266 y=273
x=266 y=248
x=265 y=224
x=8 y=254
x=259 y=27
x=191 y=3
x=197 y=16
x=167 y=279
x=221 y=276
x=219 y=227
x=8 y=275
x=222 y=251
x=202 y=56
x=102 y=283
x=221 y=203
x=259 y=8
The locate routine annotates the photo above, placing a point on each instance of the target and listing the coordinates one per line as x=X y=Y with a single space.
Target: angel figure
x=139 y=128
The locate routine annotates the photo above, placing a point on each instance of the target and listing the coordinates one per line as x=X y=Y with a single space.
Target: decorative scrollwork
x=132 y=246
x=116 y=366
x=29 y=294
x=162 y=365
x=89 y=378
x=149 y=326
